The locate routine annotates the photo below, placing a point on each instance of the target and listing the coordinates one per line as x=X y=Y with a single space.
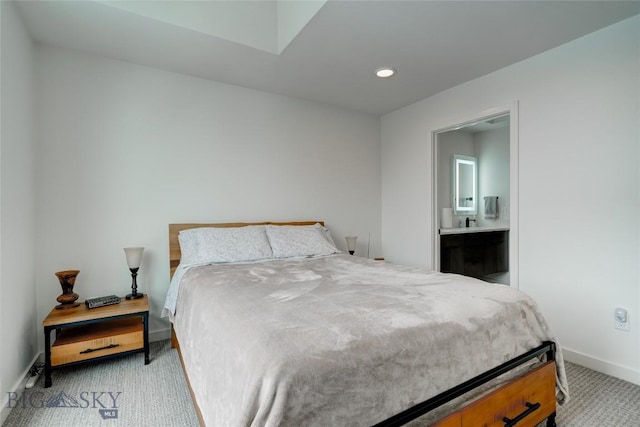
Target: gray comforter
x=341 y=340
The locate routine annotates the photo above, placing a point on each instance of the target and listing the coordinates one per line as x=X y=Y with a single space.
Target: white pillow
x=299 y=241
x=234 y=244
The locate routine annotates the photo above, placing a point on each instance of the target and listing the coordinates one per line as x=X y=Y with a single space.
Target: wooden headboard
x=174 y=230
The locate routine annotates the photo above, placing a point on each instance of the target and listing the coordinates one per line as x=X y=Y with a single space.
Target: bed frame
x=488 y=410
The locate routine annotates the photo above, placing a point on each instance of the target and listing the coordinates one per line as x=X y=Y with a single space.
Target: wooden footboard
x=525 y=401
x=503 y=402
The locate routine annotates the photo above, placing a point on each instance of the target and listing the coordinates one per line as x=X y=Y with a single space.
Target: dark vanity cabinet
x=475 y=254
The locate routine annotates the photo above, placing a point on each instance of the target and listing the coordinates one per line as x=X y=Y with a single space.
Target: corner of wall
x=18 y=318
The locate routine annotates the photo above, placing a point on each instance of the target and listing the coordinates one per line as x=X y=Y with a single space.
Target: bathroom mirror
x=464 y=183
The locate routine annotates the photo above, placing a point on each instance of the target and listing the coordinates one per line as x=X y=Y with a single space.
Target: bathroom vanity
x=474 y=251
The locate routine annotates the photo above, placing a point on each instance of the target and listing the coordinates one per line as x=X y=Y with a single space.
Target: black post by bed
x=547 y=347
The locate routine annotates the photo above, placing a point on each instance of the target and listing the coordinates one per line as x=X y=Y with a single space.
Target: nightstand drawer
x=525 y=402
x=99 y=339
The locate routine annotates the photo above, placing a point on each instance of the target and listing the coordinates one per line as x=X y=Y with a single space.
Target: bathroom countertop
x=466 y=230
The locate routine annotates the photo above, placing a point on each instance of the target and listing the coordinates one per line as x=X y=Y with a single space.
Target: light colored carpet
x=157 y=395
x=598 y=400
x=151 y=395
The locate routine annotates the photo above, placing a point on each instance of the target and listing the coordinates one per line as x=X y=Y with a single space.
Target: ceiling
x=434 y=45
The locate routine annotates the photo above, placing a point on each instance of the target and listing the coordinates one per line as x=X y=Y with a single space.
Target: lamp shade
x=134 y=256
x=351 y=243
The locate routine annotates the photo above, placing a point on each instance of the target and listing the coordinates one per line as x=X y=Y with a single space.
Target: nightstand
x=84 y=334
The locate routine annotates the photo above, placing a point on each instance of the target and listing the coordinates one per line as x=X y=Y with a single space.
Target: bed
x=300 y=336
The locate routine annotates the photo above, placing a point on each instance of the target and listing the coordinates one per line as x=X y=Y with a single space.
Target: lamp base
x=136 y=296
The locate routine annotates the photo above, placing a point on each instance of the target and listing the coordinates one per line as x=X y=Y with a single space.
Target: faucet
x=468 y=220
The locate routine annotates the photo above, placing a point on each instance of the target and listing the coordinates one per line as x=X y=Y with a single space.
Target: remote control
x=102 y=301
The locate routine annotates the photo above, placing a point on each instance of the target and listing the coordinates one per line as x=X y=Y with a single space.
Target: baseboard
x=17 y=388
x=159 y=335
x=623 y=372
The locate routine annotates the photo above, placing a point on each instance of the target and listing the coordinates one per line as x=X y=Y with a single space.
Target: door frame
x=511 y=110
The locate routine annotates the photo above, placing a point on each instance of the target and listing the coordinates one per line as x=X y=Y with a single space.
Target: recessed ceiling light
x=385 y=72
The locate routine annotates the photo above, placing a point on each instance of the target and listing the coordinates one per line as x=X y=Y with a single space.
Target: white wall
x=579 y=190
x=18 y=323
x=124 y=150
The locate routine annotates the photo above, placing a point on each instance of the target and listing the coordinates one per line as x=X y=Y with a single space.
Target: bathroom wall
x=491 y=148
x=450 y=143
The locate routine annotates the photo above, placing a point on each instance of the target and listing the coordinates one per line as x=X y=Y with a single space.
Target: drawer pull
x=530 y=408
x=91 y=350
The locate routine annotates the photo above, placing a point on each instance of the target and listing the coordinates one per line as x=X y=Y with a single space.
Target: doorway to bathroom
x=475 y=196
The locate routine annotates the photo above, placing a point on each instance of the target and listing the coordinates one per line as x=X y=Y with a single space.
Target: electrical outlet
x=623 y=326
x=621 y=319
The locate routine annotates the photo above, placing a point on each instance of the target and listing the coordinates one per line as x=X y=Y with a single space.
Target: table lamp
x=134 y=258
x=351 y=244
